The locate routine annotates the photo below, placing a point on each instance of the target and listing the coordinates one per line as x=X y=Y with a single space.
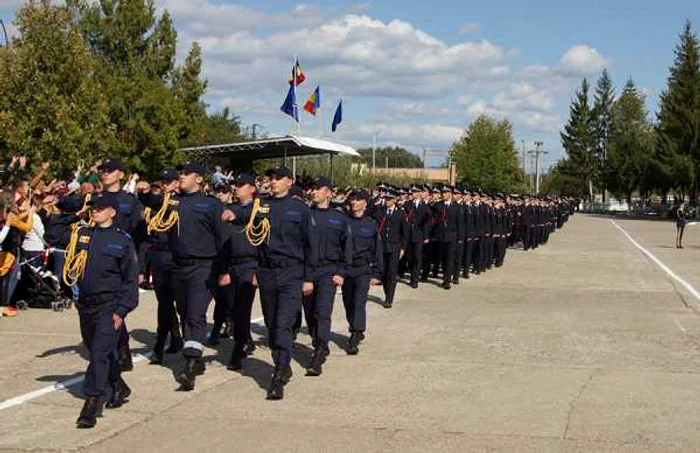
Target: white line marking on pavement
x=658 y=262
x=19 y=400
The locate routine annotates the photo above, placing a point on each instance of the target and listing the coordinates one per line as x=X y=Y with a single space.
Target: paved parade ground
x=586 y=344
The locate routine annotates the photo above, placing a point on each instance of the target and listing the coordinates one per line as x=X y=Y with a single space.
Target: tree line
x=86 y=79
x=613 y=146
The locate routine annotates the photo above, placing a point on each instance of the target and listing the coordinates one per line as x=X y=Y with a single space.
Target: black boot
x=176 y=343
x=318 y=358
x=126 y=363
x=186 y=377
x=249 y=348
x=280 y=378
x=215 y=335
x=236 y=361
x=354 y=343
x=120 y=393
x=92 y=408
x=446 y=285
x=158 y=350
x=455 y=280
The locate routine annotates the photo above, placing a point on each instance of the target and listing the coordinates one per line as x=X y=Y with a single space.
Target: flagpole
x=296 y=124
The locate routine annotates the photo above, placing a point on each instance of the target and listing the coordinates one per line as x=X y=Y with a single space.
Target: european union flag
x=338 y=117
x=290 y=104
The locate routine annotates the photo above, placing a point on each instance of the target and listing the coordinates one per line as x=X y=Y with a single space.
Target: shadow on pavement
x=75 y=390
x=75 y=349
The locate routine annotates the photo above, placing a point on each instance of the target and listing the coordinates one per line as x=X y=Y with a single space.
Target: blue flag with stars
x=290 y=104
x=338 y=117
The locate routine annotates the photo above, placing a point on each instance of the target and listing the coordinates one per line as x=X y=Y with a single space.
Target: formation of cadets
x=293 y=246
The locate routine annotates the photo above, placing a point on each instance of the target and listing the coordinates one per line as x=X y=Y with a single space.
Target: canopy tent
x=241 y=155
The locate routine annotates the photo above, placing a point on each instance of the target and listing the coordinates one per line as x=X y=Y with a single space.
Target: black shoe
x=236 y=361
x=249 y=348
x=387 y=304
x=158 y=350
x=186 y=377
x=446 y=285
x=213 y=339
x=126 y=363
x=318 y=358
x=455 y=281
x=120 y=393
x=280 y=378
x=176 y=344
x=354 y=343
x=92 y=408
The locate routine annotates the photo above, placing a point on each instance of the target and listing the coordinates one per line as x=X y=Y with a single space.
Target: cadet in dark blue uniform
x=334 y=247
x=161 y=264
x=282 y=271
x=393 y=233
x=130 y=220
x=108 y=291
x=239 y=261
x=194 y=242
x=366 y=268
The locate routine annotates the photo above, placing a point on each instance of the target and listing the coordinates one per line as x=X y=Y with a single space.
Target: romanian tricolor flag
x=314 y=102
x=297 y=74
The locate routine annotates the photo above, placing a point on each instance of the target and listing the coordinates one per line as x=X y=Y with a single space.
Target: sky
x=415 y=74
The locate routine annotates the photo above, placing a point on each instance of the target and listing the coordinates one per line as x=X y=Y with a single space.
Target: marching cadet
x=102 y=261
x=239 y=262
x=222 y=294
x=446 y=217
x=366 y=268
x=195 y=236
x=500 y=230
x=470 y=232
x=286 y=255
x=334 y=247
x=461 y=234
x=431 y=252
x=393 y=232
x=418 y=219
x=129 y=219
x=480 y=243
x=161 y=264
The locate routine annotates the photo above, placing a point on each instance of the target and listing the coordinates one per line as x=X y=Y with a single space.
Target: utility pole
x=524 y=172
x=374 y=148
x=537 y=152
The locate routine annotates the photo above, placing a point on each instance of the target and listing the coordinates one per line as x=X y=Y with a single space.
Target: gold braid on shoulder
x=257 y=232
x=74 y=269
x=158 y=222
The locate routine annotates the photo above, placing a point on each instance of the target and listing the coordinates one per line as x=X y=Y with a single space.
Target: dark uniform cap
x=111 y=164
x=281 y=171
x=169 y=175
x=391 y=194
x=322 y=182
x=446 y=189
x=104 y=200
x=70 y=204
x=222 y=187
x=435 y=190
x=296 y=190
x=193 y=167
x=360 y=194
x=457 y=190
x=245 y=178
x=416 y=189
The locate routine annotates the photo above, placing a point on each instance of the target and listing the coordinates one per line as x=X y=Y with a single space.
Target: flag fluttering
x=338 y=117
x=314 y=102
x=297 y=74
x=290 y=104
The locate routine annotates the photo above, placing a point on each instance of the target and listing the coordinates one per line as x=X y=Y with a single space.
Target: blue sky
x=417 y=73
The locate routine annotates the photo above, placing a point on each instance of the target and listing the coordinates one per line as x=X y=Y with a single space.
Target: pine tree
x=579 y=140
x=602 y=112
x=630 y=143
x=678 y=129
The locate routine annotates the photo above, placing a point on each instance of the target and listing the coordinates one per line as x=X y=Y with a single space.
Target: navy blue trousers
x=192 y=287
x=355 y=290
x=318 y=307
x=161 y=263
x=100 y=338
x=243 y=293
x=280 y=296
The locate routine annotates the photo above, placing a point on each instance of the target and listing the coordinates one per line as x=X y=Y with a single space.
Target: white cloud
x=581 y=59
x=469 y=28
x=411 y=136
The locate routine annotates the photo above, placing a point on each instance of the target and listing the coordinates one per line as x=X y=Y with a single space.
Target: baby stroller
x=39 y=288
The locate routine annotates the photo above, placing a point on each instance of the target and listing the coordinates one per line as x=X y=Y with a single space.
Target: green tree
x=602 y=120
x=678 y=128
x=396 y=156
x=51 y=105
x=486 y=157
x=560 y=180
x=630 y=143
x=579 y=140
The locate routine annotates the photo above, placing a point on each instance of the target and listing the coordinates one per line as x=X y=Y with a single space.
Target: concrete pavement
x=582 y=345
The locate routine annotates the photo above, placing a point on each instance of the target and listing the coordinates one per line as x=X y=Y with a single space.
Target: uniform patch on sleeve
x=84 y=239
